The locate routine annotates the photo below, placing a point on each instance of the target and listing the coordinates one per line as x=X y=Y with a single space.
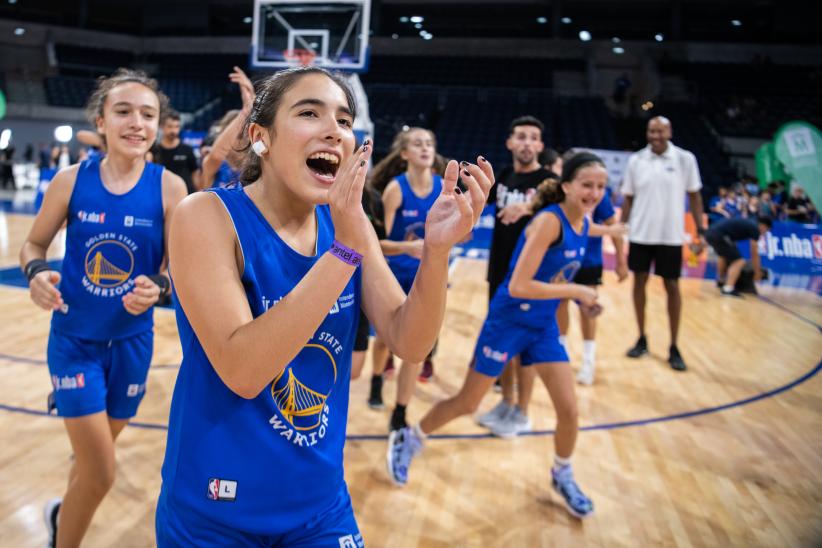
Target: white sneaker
x=492 y=417
x=586 y=374
x=514 y=423
x=50 y=511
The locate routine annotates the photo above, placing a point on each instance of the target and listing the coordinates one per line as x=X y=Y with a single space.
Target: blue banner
x=792 y=248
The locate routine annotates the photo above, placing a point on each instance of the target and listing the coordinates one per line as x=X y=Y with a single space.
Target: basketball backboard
x=328 y=33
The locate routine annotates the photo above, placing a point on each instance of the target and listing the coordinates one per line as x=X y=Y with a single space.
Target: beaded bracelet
x=345 y=254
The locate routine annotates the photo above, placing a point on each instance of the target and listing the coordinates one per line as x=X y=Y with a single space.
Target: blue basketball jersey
x=226 y=176
x=602 y=212
x=273 y=462
x=559 y=265
x=409 y=223
x=110 y=240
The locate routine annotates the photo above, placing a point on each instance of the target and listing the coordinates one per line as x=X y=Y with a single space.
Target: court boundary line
x=590 y=428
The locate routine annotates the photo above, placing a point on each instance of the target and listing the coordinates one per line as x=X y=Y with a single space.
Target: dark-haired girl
x=101 y=337
x=522 y=321
x=270 y=278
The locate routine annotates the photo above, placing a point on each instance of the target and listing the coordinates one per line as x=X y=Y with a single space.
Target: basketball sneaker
x=403 y=445
x=730 y=293
x=489 y=419
x=639 y=349
x=577 y=504
x=675 y=359
x=50 y=511
x=513 y=424
x=427 y=371
x=585 y=376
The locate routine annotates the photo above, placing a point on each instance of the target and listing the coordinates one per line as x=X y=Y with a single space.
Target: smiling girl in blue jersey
x=522 y=321
x=101 y=339
x=269 y=279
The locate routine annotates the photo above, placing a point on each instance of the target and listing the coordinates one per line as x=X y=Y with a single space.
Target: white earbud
x=259 y=148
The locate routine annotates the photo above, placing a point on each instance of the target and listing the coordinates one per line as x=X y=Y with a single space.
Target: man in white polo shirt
x=656 y=181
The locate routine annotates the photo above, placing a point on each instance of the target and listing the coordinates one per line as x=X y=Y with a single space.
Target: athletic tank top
x=110 y=240
x=559 y=265
x=274 y=462
x=409 y=223
x=226 y=176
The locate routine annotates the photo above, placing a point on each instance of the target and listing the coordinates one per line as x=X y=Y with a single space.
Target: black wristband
x=701 y=231
x=34 y=267
x=162 y=282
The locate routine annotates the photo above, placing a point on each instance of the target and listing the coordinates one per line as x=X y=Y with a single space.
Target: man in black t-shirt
x=722 y=236
x=175 y=156
x=798 y=207
x=512 y=193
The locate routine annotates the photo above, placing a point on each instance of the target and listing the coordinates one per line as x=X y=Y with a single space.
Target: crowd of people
x=284 y=256
x=746 y=199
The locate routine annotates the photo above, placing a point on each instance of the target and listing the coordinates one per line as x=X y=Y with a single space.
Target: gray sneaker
x=489 y=419
x=514 y=423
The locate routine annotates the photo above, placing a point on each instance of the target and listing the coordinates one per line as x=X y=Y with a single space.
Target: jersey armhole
x=561 y=235
x=236 y=232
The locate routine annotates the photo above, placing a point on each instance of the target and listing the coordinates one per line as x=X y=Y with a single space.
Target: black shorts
x=666 y=259
x=589 y=275
x=361 y=338
x=724 y=246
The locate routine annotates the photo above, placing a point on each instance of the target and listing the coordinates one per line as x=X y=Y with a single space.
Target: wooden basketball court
x=727 y=454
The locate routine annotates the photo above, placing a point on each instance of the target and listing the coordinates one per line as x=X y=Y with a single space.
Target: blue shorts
x=335 y=527
x=93 y=376
x=501 y=340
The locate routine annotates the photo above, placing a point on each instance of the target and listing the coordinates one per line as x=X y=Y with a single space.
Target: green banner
x=2 y=105
x=768 y=167
x=799 y=148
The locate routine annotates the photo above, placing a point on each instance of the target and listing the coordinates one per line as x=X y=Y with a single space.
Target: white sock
x=422 y=436
x=589 y=352
x=727 y=288
x=563 y=340
x=560 y=463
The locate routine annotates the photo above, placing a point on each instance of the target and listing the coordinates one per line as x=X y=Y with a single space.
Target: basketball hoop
x=299 y=57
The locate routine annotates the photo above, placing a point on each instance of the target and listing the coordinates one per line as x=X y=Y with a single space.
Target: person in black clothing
x=722 y=236
x=512 y=194
x=177 y=157
x=798 y=207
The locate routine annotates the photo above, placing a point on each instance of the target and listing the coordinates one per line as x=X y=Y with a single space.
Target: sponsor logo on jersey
x=67 y=382
x=351 y=541
x=567 y=272
x=131 y=220
x=92 y=217
x=410 y=213
x=342 y=303
x=496 y=355
x=222 y=489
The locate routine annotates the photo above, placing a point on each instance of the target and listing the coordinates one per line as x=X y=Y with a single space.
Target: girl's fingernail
x=366 y=142
x=457 y=190
x=365 y=148
x=362 y=163
x=464 y=163
x=465 y=172
x=482 y=159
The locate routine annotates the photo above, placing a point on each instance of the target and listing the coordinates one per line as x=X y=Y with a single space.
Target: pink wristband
x=345 y=254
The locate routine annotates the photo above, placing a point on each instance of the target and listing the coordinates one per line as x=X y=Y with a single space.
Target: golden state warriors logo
x=566 y=273
x=109 y=265
x=301 y=391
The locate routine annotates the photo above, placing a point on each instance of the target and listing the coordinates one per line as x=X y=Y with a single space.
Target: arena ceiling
x=748 y=21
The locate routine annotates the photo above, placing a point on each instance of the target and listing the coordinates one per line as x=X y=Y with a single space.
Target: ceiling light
x=395 y=36
x=247 y=20
x=418 y=26
x=566 y=20
x=417 y=19
x=618 y=50
x=736 y=22
x=63 y=133
x=428 y=36
x=616 y=40
x=19 y=31
x=542 y=20
x=403 y=19
x=659 y=37
x=585 y=36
